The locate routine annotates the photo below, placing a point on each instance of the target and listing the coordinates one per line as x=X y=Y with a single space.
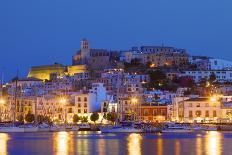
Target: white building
x=90 y=101
x=219 y=64
x=200 y=110
x=221 y=75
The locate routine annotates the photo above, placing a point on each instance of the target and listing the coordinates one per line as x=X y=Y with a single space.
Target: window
x=69 y=110
x=163 y=112
x=79 y=110
x=190 y=114
x=198 y=104
x=79 y=99
x=85 y=104
x=85 y=110
x=145 y=113
x=198 y=113
x=79 y=105
x=207 y=113
x=214 y=113
x=155 y=112
x=85 y=99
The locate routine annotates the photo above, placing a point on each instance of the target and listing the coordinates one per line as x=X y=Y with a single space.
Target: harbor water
x=85 y=143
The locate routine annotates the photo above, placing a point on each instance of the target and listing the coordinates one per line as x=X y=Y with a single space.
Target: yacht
x=11 y=129
x=175 y=128
x=123 y=128
x=43 y=127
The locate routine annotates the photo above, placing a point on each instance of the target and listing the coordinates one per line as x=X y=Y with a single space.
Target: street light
x=134 y=100
x=213 y=99
x=63 y=101
x=2 y=101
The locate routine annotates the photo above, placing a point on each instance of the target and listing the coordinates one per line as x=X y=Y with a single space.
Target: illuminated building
x=94 y=58
x=200 y=110
x=153 y=113
x=45 y=72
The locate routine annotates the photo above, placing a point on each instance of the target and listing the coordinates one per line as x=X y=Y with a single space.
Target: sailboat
x=12 y=127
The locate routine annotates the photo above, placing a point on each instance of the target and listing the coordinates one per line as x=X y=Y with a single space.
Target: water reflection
x=102 y=146
x=199 y=144
x=134 y=144
x=3 y=143
x=177 y=147
x=159 y=146
x=63 y=143
x=213 y=143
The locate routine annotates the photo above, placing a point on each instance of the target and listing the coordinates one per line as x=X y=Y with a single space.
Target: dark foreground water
x=67 y=143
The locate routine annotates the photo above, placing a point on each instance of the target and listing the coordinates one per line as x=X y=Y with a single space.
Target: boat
x=211 y=128
x=72 y=128
x=120 y=129
x=56 y=128
x=84 y=127
x=29 y=128
x=11 y=129
x=176 y=128
x=125 y=127
x=43 y=127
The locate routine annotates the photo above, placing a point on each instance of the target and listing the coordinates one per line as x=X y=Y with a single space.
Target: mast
x=15 y=99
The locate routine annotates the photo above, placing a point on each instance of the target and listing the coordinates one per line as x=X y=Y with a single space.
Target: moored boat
x=11 y=129
x=124 y=127
x=176 y=128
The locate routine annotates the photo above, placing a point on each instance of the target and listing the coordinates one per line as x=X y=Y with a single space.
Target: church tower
x=85 y=51
x=84 y=44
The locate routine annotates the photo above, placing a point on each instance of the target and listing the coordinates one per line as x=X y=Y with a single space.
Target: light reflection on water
x=134 y=144
x=3 y=143
x=213 y=143
x=63 y=143
x=66 y=143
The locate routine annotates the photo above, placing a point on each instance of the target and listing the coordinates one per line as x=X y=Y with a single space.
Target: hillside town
x=149 y=84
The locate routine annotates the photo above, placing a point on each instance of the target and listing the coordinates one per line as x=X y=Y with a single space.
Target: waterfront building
x=91 y=100
x=23 y=106
x=129 y=106
x=201 y=109
x=153 y=113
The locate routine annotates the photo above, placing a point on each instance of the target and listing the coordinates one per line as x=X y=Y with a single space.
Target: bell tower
x=84 y=44
x=85 y=51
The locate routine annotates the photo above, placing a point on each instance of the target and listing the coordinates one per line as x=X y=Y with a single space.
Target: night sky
x=38 y=32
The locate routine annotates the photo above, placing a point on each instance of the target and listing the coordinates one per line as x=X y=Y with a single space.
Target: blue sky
x=47 y=31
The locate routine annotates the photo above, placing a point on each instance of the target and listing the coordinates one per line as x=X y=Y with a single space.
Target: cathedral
x=94 y=58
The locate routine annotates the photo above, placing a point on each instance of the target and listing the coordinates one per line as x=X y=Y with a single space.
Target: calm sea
x=68 y=143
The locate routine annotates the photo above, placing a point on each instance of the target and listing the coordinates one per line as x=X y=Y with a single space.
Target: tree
x=212 y=78
x=20 y=118
x=47 y=120
x=76 y=118
x=40 y=119
x=94 y=117
x=185 y=81
x=112 y=116
x=84 y=119
x=29 y=118
x=203 y=82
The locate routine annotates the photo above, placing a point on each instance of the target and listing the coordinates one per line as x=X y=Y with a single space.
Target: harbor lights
x=2 y=101
x=63 y=101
